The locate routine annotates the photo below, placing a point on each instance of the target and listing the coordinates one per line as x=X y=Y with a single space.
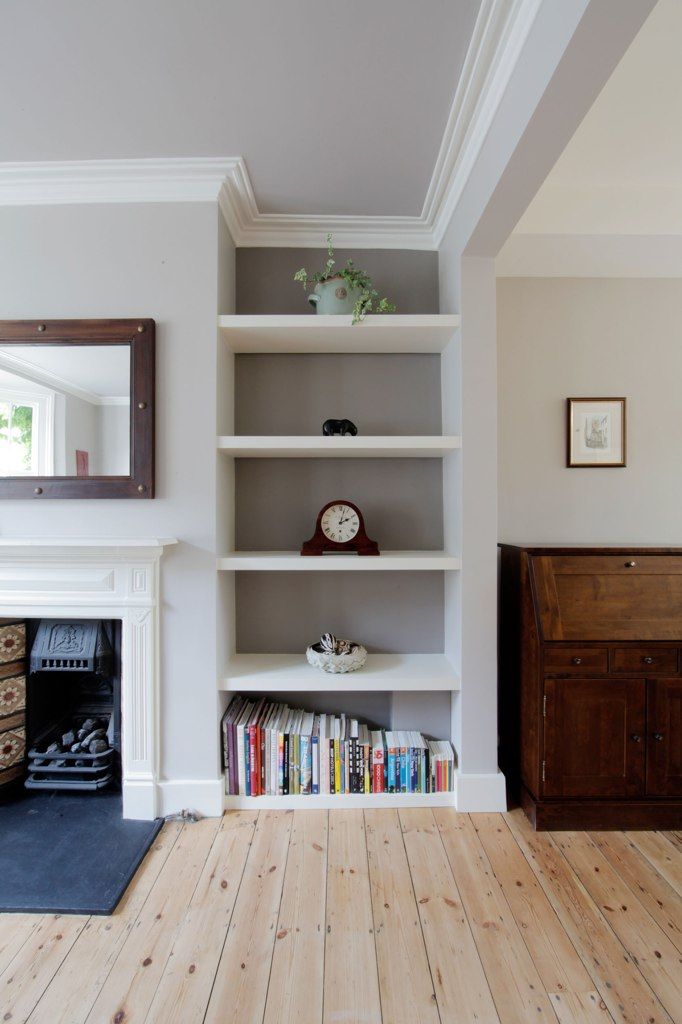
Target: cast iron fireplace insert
x=73 y=705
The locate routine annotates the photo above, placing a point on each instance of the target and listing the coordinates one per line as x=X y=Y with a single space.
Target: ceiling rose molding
x=499 y=33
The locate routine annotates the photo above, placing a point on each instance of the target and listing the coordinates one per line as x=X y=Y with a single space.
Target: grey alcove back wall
x=277 y=500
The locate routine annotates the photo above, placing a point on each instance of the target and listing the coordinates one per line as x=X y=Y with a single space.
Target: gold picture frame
x=595 y=433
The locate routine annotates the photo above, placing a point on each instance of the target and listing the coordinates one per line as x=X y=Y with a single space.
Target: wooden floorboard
x=295 y=988
x=561 y=970
x=351 y=980
x=642 y=878
x=462 y=991
x=627 y=996
x=187 y=979
x=405 y=984
x=512 y=976
x=415 y=916
x=241 y=982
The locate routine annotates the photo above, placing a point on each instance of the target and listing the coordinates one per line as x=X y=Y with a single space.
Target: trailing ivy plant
x=356 y=279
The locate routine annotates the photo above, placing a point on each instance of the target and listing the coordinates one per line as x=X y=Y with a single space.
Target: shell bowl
x=336 y=663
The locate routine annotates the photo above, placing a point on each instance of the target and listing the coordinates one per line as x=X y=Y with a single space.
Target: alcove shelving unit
x=406 y=677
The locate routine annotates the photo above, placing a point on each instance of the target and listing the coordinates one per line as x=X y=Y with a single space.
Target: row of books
x=273 y=750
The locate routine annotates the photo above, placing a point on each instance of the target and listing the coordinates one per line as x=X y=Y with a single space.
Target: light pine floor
x=383 y=916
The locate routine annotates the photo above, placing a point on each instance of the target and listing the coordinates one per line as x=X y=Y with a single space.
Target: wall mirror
x=76 y=409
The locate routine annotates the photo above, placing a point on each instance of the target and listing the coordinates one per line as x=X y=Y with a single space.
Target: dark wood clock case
x=360 y=544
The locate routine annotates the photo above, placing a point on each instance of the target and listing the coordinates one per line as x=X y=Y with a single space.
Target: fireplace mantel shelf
x=12 y=543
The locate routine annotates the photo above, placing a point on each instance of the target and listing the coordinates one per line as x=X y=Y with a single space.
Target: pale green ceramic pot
x=334 y=296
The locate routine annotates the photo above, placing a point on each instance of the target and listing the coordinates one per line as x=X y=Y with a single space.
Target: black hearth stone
x=68 y=853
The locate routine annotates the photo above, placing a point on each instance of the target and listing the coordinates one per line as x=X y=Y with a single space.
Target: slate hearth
x=68 y=853
x=64 y=845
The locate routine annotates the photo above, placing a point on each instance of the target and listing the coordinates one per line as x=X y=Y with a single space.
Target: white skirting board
x=331 y=801
x=205 y=796
x=139 y=799
x=481 y=791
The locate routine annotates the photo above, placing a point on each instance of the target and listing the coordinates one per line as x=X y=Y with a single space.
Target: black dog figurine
x=331 y=427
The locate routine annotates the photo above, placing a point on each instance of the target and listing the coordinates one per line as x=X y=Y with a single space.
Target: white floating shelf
x=292 y=561
x=311 y=333
x=281 y=673
x=306 y=447
x=326 y=800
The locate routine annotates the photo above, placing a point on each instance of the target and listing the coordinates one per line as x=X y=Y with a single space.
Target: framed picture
x=595 y=432
x=82 y=463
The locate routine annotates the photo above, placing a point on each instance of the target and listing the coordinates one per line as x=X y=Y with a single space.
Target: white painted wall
x=114 y=439
x=160 y=261
x=561 y=337
x=81 y=432
x=566 y=57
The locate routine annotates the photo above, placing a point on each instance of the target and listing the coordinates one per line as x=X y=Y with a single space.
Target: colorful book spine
x=306 y=766
x=315 y=765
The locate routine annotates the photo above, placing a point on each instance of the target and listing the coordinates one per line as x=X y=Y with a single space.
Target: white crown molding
x=499 y=33
x=46 y=378
x=171 y=180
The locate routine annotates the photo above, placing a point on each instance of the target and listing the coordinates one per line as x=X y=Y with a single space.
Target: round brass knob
x=140 y=328
x=41 y=327
x=37 y=490
x=577 y=661
x=658 y=736
x=141 y=488
x=635 y=737
x=630 y=565
x=648 y=660
x=141 y=405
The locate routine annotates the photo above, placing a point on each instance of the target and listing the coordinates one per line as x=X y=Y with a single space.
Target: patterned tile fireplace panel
x=12 y=700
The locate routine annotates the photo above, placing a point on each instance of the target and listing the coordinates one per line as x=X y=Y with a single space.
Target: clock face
x=340 y=523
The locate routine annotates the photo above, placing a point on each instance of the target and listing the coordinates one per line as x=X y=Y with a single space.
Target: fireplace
x=73 y=705
x=103 y=580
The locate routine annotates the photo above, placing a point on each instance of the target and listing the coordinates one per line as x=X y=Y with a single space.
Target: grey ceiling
x=336 y=107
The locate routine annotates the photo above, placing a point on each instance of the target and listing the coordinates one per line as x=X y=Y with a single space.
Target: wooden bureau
x=590 y=685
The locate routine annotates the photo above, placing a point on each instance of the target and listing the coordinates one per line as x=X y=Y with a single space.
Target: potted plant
x=348 y=290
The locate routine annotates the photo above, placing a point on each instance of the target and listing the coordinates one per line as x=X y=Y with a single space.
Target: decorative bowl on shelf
x=336 y=656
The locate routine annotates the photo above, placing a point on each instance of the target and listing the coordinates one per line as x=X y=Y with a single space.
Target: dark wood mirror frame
x=139 y=335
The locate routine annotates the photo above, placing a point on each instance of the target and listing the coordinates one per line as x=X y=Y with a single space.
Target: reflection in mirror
x=64 y=410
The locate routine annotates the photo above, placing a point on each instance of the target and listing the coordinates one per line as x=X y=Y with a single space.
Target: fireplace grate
x=54 y=765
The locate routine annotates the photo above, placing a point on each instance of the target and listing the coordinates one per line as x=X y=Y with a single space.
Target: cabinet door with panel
x=664 y=740
x=594 y=738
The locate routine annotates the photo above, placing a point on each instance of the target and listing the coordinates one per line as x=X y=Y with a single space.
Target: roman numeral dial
x=340 y=523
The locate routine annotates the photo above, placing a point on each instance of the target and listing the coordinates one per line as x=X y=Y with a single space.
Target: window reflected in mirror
x=65 y=410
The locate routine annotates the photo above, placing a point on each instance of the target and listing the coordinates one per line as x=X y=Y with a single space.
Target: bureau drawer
x=644 y=660
x=576 y=660
x=622 y=563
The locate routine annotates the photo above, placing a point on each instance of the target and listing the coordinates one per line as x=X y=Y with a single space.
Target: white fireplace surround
x=102 y=579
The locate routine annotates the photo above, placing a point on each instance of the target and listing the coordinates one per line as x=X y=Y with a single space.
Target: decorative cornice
x=170 y=180
x=499 y=33
x=46 y=378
